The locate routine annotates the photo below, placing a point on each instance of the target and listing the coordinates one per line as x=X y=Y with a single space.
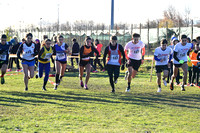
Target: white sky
x=126 y=11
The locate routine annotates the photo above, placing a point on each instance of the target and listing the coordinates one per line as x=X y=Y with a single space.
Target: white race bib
x=114 y=58
x=48 y=56
x=3 y=57
x=60 y=56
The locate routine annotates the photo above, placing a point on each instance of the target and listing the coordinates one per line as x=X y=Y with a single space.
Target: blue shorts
x=31 y=63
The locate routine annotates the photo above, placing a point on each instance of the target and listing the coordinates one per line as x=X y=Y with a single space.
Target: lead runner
x=135 y=57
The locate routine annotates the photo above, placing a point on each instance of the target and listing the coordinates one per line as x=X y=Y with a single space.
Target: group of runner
x=131 y=56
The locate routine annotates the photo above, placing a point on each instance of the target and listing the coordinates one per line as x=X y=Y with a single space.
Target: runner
x=44 y=61
x=4 y=56
x=86 y=52
x=135 y=57
x=178 y=77
x=162 y=56
x=180 y=60
x=29 y=51
x=61 y=49
x=114 y=52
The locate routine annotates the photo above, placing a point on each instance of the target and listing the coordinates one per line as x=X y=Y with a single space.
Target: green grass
x=73 y=109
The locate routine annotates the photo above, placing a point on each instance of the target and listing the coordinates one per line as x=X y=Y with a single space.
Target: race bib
x=87 y=58
x=182 y=55
x=136 y=51
x=3 y=57
x=60 y=56
x=48 y=56
x=114 y=58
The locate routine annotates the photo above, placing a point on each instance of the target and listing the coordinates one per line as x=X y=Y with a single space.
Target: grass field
x=73 y=109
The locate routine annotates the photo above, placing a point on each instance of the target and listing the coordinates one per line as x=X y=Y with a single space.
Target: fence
x=150 y=36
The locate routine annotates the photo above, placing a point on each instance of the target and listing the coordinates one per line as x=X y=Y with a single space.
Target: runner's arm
x=175 y=56
x=104 y=56
x=121 y=49
x=40 y=53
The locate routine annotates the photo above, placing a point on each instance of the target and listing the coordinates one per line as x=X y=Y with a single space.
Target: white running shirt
x=182 y=51
x=134 y=50
x=162 y=54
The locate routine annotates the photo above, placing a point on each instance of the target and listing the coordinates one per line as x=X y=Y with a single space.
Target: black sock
x=57 y=78
x=44 y=84
x=129 y=84
x=159 y=86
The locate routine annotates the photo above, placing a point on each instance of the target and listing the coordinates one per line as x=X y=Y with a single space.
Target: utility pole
x=112 y=14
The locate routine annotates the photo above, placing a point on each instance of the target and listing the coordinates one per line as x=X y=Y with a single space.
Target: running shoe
x=159 y=89
x=2 y=80
x=81 y=83
x=85 y=87
x=128 y=89
x=171 y=86
x=44 y=89
x=126 y=75
x=26 y=89
x=9 y=70
x=55 y=87
x=113 y=91
x=116 y=81
x=182 y=88
x=36 y=76
x=191 y=84
x=164 y=82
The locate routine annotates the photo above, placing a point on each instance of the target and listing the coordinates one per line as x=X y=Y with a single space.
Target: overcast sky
x=126 y=11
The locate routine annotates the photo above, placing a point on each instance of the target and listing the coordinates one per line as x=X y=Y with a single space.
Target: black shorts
x=3 y=62
x=179 y=65
x=83 y=63
x=161 y=68
x=135 y=64
x=62 y=62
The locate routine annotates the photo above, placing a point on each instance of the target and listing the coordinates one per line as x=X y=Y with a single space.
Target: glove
x=189 y=60
x=181 y=61
x=122 y=67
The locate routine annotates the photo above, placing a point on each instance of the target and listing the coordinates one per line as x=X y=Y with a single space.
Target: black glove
x=122 y=67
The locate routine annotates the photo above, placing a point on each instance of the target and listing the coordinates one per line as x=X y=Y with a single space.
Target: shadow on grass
x=145 y=99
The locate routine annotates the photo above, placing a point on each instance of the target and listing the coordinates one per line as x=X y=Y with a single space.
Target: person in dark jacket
x=75 y=51
x=13 y=50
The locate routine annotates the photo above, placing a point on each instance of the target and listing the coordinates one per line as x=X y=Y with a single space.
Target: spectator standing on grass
x=195 y=65
x=75 y=51
x=13 y=50
x=162 y=56
x=98 y=46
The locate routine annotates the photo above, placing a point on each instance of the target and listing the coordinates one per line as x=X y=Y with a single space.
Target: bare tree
x=187 y=16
